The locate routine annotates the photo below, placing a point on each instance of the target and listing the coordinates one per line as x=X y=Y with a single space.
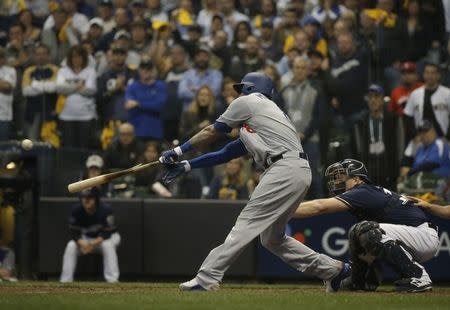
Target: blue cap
x=376 y=89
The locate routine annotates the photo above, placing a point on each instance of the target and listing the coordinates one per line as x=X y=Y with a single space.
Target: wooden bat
x=105 y=178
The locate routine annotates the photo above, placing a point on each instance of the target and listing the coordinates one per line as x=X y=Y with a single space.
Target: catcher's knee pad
x=365 y=238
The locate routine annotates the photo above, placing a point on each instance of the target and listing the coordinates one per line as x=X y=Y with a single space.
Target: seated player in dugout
x=391 y=229
x=93 y=230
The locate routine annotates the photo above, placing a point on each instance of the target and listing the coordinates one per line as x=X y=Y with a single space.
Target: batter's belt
x=272 y=160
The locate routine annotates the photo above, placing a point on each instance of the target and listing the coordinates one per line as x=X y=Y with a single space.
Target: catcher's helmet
x=336 y=174
x=255 y=82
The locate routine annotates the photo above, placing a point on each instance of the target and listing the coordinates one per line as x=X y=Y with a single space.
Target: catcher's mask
x=337 y=173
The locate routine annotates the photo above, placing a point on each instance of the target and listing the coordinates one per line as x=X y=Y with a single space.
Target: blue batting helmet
x=255 y=82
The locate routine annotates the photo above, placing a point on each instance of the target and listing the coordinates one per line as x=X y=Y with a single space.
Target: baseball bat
x=105 y=178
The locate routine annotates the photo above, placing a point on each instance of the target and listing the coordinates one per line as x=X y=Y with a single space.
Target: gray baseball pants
x=282 y=187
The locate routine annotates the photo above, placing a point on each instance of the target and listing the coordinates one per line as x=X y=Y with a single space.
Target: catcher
x=391 y=229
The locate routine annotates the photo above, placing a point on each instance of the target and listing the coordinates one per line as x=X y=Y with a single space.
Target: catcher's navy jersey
x=101 y=223
x=375 y=203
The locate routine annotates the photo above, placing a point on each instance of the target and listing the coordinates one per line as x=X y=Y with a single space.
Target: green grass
x=95 y=295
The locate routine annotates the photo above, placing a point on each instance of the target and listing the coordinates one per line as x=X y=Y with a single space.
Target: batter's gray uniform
x=267 y=132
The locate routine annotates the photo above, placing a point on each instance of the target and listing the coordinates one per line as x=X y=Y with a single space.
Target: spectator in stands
x=391 y=39
x=123 y=152
x=239 y=43
x=302 y=43
x=183 y=16
x=112 y=85
x=227 y=96
x=76 y=85
x=232 y=184
x=140 y=42
x=271 y=71
x=314 y=30
x=287 y=26
x=95 y=32
x=284 y=66
x=400 y=94
x=106 y=14
x=341 y=26
x=144 y=101
x=432 y=155
x=172 y=110
x=77 y=21
x=231 y=15
x=205 y=16
x=191 y=43
x=328 y=9
x=267 y=16
x=39 y=89
x=86 y=7
x=55 y=37
x=348 y=82
x=92 y=230
x=271 y=47
x=319 y=68
x=94 y=167
x=121 y=20
x=8 y=80
x=251 y=59
x=18 y=52
x=431 y=102
x=200 y=113
x=154 y=12
x=376 y=139
x=248 y=7
x=198 y=76
x=32 y=33
x=123 y=39
x=147 y=181
x=303 y=104
x=7 y=262
x=419 y=40
x=220 y=52
x=137 y=8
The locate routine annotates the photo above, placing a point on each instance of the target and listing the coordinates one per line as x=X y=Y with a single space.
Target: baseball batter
x=269 y=136
x=391 y=229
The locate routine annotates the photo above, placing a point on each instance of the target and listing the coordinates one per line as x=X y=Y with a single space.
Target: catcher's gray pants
x=270 y=207
x=422 y=242
x=110 y=263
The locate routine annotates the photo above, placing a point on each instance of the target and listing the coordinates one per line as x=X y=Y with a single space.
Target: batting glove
x=170 y=156
x=175 y=170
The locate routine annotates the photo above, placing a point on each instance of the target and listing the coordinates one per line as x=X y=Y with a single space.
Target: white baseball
x=27 y=144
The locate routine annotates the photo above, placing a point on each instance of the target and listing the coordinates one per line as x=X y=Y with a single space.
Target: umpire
x=92 y=228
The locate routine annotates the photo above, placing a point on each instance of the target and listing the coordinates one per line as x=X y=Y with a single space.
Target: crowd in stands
x=128 y=78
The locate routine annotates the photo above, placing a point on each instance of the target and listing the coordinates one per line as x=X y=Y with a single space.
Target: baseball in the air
x=27 y=144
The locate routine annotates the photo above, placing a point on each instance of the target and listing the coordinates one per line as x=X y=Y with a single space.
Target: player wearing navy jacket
x=390 y=228
x=92 y=228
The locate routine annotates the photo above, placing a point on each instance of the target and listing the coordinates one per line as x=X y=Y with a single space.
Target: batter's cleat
x=413 y=285
x=193 y=285
x=333 y=285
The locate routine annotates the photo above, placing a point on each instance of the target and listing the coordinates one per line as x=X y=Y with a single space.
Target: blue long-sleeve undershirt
x=230 y=151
